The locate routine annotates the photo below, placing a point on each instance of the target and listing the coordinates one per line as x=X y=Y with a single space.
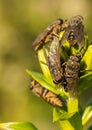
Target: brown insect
x=74 y=33
x=54 y=62
x=47 y=95
x=71 y=74
x=48 y=33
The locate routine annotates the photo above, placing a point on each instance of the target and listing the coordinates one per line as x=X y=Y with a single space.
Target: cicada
x=54 y=62
x=71 y=74
x=74 y=32
x=47 y=35
x=47 y=95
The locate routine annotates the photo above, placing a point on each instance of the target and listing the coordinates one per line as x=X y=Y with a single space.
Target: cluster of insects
x=66 y=73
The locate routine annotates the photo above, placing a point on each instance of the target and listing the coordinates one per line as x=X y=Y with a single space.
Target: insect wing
x=65 y=35
x=74 y=33
x=76 y=20
x=46 y=35
x=54 y=61
x=79 y=35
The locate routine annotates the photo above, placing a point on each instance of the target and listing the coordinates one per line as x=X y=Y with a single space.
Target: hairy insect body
x=71 y=74
x=45 y=94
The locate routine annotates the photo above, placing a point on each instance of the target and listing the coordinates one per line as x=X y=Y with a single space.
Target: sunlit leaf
x=60 y=114
x=73 y=123
x=72 y=108
x=17 y=126
x=43 y=63
x=87 y=114
x=73 y=105
x=40 y=78
x=87 y=59
x=85 y=81
x=65 y=124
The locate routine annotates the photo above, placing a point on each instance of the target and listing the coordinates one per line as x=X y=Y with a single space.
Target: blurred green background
x=20 y=23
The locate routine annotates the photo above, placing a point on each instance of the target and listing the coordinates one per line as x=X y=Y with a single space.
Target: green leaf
x=76 y=121
x=87 y=114
x=72 y=108
x=60 y=114
x=87 y=59
x=17 y=126
x=73 y=123
x=65 y=125
x=40 y=78
x=46 y=83
x=43 y=63
x=85 y=82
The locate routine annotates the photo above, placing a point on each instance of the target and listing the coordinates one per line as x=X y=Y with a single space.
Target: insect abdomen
x=45 y=94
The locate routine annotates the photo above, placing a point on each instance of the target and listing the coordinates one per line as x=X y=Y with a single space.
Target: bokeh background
x=20 y=23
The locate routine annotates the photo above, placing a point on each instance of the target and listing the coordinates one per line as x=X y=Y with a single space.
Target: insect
x=54 y=62
x=47 y=95
x=48 y=33
x=74 y=32
x=71 y=74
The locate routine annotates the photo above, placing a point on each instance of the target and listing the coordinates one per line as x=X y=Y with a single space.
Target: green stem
x=73 y=123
